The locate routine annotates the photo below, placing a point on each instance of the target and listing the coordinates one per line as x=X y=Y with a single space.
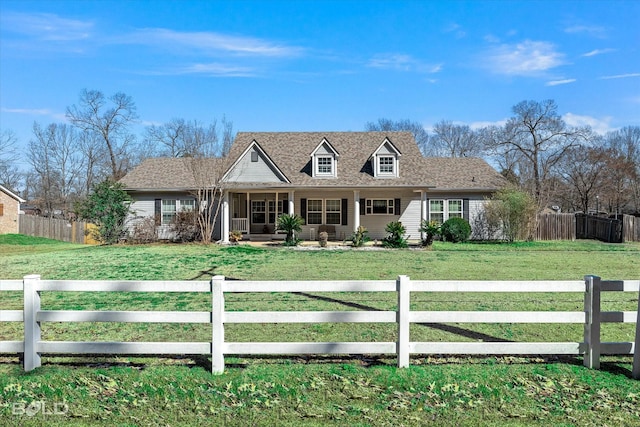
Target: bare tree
x=583 y=173
x=10 y=175
x=456 y=140
x=55 y=157
x=539 y=138
x=109 y=118
x=208 y=166
x=625 y=143
x=419 y=133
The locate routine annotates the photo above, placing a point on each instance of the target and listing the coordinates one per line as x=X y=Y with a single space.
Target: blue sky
x=322 y=65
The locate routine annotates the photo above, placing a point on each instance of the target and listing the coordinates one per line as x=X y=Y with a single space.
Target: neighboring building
x=9 y=211
x=334 y=180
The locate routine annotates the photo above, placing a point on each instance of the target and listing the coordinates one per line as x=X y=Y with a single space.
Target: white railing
x=591 y=317
x=240 y=224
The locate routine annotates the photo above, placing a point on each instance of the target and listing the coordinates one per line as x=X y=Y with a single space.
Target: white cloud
x=402 y=62
x=592 y=30
x=620 y=76
x=559 y=82
x=528 y=58
x=456 y=29
x=210 y=42
x=35 y=112
x=600 y=126
x=597 y=52
x=219 y=70
x=47 y=26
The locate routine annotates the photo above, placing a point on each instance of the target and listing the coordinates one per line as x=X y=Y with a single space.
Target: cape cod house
x=336 y=181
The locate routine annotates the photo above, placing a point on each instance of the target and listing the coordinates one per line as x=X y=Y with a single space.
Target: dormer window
x=325 y=165
x=385 y=161
x=324 y=161
x=385 y=165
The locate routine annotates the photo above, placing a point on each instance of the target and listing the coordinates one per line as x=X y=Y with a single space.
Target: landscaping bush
x=359 y=237
x=290 y=224
x=144 y=231
x=430 y=229
x=396 y=238
x=185 y=224
x=455 y=230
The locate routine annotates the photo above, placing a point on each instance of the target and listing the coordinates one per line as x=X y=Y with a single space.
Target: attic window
x=325 y=165
x=254 y=156
x=385 y=165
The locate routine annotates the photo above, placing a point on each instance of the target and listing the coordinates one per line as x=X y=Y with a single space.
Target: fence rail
x=32 y=346
x=55 y=228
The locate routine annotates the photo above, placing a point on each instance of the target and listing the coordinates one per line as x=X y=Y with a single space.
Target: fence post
x=635 y=373
x=592 y=322
x=32 y=332
x=402 y=318
x=217 y=319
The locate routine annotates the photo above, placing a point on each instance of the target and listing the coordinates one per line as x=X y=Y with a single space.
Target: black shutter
x=158 y=211
x=396 y=207
x=345 y=205
x=465 y=209
x=303 y=209
x=363 y=207
x=428 y=213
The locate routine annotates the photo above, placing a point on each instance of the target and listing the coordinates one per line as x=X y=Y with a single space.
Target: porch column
x=248 y=216
x=225 y=217
x=423 y=210
x=356 y=210
x=290 y=202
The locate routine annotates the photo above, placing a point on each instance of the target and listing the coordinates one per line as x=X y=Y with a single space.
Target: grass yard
x=318 y=390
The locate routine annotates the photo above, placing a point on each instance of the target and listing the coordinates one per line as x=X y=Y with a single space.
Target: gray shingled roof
x=290 y=151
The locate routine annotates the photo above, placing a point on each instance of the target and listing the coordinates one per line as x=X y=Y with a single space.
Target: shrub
x=290 y=224
x=144 y=231
x=396 y=238
x=513 y=211
x=235 y=236
x=107 y=206
x=455 y=230
x=359 y=237
x=185 y=225
x=430 y=229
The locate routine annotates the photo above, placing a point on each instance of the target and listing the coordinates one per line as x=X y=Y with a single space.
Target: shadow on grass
x=439 y=326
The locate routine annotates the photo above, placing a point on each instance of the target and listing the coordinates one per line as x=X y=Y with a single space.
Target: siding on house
x=9 y=212
x=247 y=170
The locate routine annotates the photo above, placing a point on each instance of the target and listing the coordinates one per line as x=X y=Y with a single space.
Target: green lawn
x=320 y=390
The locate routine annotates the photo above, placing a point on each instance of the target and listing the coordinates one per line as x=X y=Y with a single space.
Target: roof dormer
x=324 y=161
x=385 y=160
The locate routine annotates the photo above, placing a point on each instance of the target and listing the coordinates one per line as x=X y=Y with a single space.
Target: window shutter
x=428 y=210
x=345 y=216
x=396 y=207
x=303 y=209
x=158 y=211
x=363 y=207
x=465 y=209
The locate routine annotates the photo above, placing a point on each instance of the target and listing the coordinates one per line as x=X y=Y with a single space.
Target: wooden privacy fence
x=33 y=315
x=58 y=229
x=556 y=226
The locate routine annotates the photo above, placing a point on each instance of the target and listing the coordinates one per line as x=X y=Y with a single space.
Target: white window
x=380 y=207
x=436 y=211
x=168 y=211
x=314 y=211
x=442 y=210
x=273 y=214
x=455 y=209
x=325 y=165
x=171 y=207
x=333 y=209
x=258 y=212
x=386 y=165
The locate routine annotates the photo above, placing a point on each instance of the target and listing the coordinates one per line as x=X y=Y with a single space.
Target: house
x=334 y=180
x=9 y=211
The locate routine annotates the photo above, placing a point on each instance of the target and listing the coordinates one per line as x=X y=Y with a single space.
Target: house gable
x=254 y=165
x=324 y=161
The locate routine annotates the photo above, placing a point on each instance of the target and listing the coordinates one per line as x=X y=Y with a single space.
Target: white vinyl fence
x=591 y=317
